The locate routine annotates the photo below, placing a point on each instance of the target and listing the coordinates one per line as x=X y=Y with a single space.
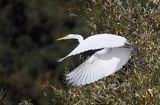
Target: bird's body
x=96 y=42
x=113 y=55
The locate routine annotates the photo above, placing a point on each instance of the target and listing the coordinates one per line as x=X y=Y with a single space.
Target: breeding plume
x=114 y=52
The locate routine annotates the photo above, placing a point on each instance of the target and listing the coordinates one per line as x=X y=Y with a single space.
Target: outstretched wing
x=99 y=65
x=97 y=42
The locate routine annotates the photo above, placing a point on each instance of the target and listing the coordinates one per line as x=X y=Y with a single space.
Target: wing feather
x=88 y=78
x=79 y=76
x=101 y=64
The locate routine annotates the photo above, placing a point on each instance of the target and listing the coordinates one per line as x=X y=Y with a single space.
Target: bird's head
x=72 y=36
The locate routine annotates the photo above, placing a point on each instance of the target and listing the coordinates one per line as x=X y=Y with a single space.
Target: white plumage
x=95 y=42
x=113 y=56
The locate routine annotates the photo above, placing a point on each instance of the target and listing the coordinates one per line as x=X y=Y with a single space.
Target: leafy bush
x=138 y=82
x=28 y=53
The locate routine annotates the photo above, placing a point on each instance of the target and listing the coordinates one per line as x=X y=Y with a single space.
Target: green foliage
x=28 y=51
x=138 y=82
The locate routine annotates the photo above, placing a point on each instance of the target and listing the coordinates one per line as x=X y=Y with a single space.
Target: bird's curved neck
x=79 y=38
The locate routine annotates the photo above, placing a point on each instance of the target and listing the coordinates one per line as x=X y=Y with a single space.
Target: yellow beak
x=63 y=38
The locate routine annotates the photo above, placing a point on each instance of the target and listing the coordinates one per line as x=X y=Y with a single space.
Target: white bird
x=114 y=52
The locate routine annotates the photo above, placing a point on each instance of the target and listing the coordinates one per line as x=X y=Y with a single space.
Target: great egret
x=114 y=52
